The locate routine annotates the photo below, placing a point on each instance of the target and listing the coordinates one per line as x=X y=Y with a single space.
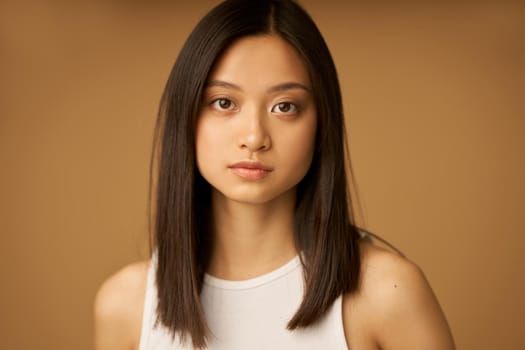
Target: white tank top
x=250 y=314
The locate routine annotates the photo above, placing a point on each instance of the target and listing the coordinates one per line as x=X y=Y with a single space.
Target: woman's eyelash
x=222 y=104
x=286 y=108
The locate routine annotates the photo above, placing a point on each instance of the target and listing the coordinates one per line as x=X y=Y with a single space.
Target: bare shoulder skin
x=119 y=307
x=395 y=308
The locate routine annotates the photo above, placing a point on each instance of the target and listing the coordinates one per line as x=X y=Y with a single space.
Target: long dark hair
x=324 y=231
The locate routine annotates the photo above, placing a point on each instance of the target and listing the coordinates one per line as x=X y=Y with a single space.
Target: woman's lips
x=250 y=170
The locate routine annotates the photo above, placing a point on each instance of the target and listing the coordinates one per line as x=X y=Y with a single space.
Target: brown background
x=434 y=99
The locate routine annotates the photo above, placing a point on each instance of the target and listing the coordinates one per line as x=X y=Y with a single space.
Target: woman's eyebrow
x=277 y=88
x=224 y=84
x=288 y=86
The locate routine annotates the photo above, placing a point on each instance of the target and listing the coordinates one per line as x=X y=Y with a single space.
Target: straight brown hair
x=324 y=231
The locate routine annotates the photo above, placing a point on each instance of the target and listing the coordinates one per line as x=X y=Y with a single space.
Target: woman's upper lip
x=251 y=165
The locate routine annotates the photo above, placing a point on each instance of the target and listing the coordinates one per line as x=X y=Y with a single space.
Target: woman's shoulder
x=118 y=307
x=395 y=303
x=382 y=266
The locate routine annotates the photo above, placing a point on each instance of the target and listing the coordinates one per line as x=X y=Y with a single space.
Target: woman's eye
x=222 y=104
x=285 y=107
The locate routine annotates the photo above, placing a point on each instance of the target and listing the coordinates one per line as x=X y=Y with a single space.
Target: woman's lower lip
x=250 y=173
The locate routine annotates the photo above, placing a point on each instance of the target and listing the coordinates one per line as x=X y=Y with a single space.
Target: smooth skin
x=258 y=107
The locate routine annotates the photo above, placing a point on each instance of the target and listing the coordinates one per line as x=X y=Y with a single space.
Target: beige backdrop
x=434 y=98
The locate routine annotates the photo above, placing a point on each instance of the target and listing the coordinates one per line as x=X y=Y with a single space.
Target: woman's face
x=256 y=128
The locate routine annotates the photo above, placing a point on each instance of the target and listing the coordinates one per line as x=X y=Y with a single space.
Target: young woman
x=254 y=245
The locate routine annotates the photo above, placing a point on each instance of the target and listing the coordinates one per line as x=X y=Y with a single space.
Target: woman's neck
x=251 y=239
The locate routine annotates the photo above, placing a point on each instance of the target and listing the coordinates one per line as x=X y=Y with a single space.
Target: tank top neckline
x=255 y=281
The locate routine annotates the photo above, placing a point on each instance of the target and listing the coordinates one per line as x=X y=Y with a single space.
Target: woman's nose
x=253 y=133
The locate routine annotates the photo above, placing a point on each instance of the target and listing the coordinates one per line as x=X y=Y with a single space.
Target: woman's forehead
x=262 y=60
